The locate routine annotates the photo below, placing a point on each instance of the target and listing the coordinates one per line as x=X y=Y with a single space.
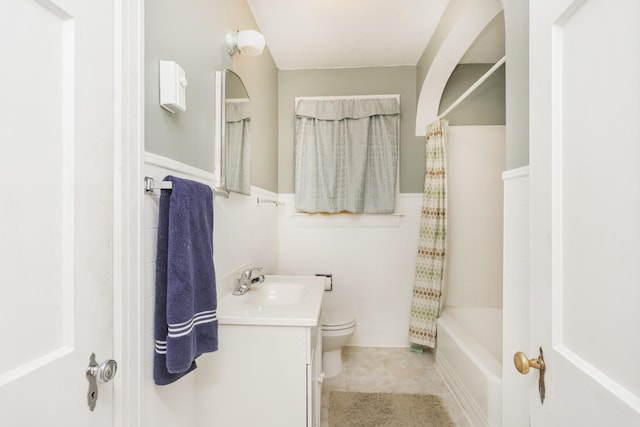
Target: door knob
x=98 y=374
x=523 y=364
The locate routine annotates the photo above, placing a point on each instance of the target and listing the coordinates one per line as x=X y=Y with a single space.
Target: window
x=346 y=153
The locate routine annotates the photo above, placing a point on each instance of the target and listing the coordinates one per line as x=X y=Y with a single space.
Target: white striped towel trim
x=177 y=330
x=161 y=347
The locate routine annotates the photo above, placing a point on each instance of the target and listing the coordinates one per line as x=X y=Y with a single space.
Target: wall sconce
x=246 y=42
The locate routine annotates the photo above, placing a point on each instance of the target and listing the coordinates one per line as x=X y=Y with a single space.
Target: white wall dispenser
x=173 y=87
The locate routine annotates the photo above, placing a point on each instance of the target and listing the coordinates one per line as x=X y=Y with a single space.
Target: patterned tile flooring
x=396 y=370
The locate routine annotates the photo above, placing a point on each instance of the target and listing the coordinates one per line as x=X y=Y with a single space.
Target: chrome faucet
x=248 y=279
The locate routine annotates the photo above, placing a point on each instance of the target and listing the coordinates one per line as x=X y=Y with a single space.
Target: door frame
x=128 y=146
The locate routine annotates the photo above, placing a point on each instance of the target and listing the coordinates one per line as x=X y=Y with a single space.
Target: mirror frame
x=220 y=136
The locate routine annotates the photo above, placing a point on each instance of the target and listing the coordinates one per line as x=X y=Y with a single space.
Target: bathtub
x=469 y=358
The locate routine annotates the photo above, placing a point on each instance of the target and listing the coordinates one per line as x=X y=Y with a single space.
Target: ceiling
x=308 y=34
x=305 y=34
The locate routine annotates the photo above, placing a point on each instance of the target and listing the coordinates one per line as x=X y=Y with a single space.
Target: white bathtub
x=469 y=358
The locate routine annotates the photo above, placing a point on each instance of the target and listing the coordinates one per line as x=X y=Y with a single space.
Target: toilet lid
x=337 y=319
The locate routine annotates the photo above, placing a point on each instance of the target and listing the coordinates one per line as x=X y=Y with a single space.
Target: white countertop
x=278 y=301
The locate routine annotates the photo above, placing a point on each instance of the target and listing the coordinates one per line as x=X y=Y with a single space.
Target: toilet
x=337 y=328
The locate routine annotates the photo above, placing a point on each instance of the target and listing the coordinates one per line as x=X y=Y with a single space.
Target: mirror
x=233 y=134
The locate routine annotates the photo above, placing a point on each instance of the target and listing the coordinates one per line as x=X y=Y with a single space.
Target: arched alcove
x=472 y=21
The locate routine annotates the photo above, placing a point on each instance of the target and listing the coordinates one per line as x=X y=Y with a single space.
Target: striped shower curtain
x=430 y=263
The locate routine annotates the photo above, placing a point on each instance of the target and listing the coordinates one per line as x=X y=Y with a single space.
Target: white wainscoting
x=515 y=333
x=372 y=260
x=245 y=235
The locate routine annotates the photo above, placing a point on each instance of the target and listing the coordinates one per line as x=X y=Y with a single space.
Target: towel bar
x=263 y=200
x=150 y=185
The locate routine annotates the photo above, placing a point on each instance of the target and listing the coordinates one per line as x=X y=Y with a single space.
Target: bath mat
x=355 y=409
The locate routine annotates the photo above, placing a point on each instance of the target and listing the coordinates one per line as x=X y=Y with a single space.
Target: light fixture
x=246 y=42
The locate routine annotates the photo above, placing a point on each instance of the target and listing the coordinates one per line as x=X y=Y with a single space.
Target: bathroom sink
x=279 y=300
x=277 y=293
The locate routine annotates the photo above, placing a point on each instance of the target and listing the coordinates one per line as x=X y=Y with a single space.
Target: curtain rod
x=473 y=87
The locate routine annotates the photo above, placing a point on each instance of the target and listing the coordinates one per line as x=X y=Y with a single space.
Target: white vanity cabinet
x=267 y=370
x=267 y=376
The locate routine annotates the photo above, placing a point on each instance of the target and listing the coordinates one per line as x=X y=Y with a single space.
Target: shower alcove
x=470 y=94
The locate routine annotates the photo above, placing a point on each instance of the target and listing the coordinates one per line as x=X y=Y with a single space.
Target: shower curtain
x=430 y=263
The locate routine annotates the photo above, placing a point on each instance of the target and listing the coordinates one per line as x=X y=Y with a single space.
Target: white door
x=56 y=217
x=585 y=211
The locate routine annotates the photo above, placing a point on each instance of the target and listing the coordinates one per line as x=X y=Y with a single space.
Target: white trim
x=217 y=130
x=515 y=173
x=175 y=166
x=128 y=135
x=612 y=386
x=169 y=165
x=263 y=193
x=32 y=365
x=473 y=87
x=303 y=219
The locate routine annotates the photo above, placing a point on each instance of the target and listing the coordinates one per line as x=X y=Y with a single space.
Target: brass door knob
x=523 y=363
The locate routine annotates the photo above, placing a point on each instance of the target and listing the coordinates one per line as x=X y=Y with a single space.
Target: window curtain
x=428 y=284
x=238 y=148
x=346 y=155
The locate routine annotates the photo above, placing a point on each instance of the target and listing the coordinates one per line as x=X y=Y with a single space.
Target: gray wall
x=516 y=17
x=485 y=105
x=352 y=81
x=196 y=41
x=192 y=33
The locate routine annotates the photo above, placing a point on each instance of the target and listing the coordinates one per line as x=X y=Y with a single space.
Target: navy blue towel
x=186 y=323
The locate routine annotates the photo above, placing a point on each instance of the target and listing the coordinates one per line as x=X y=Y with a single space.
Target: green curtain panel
x=238 y=149
x=347 y=155
x=428 y=284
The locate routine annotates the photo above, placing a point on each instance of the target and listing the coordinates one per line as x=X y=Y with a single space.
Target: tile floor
x=398 y=370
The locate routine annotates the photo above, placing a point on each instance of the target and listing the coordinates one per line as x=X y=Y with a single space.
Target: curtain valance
x=349 y=108
x=237 y=110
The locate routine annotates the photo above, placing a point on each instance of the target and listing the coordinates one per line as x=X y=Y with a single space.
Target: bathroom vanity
x=267 y=370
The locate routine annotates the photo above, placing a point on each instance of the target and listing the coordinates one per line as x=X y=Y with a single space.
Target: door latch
x=98 y=374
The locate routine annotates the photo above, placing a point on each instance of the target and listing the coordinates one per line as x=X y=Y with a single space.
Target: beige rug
x=355 y=409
